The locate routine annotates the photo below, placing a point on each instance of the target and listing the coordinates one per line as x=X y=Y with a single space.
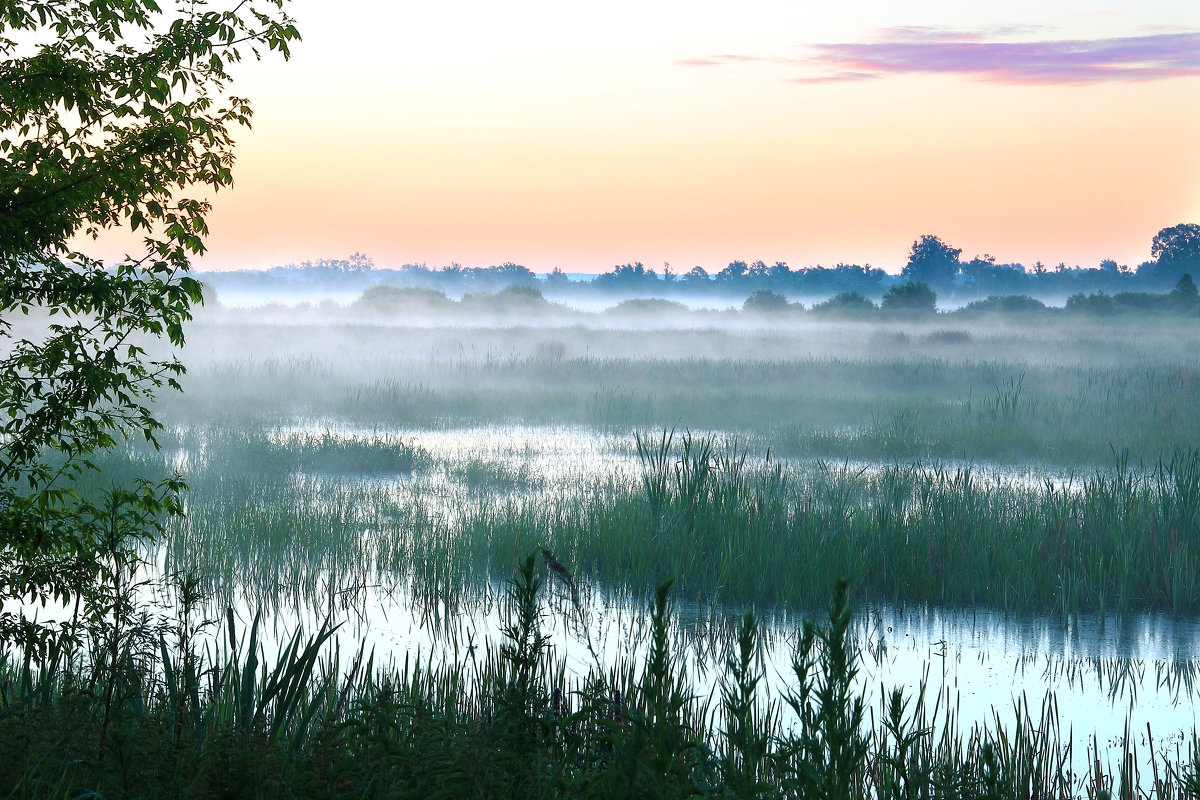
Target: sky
x=583 y=136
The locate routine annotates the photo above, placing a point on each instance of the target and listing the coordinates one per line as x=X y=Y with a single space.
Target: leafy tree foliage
x=1185 y=295
x=1097 y=304
x=1005 y=304
x=734 y=271
x=764 y=301
x=113 y=113
x=933 y=262
x=910 y=298
x=1176 y=250
x=854 y=303
x=628 y=277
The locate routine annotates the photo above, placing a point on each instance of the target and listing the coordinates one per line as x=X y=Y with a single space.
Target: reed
x=514 y=722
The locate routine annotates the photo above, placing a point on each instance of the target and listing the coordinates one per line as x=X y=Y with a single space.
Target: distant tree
x=1097 y=304
x=985 y=277
x=384 y=299
x=361 y=262
x=1184 y=296
x=509 y=300
x=628 y=278
x=932 y=262
x=1141 y=302
x=765 y=301
x=648 y=306
x=913 y=297
x=507 y=274
x=696 y=276
x=1005 y=304
x=734 y=271
x=846 y=303
x=557 y=279
x=1176 y=250
x=208 y=296
x=757 y=270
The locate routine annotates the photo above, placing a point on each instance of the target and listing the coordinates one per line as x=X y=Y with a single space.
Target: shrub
x=912 y=298
x=765 y=301
x=846 y=303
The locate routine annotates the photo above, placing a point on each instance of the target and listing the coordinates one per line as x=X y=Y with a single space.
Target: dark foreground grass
x=164 y=721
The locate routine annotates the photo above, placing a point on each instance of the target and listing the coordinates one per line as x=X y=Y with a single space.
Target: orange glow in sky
x=555 y=135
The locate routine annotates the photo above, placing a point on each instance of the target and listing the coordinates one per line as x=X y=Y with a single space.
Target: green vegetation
x=764 y=301
x=312 y=476
x=848 y=304
x=169 y=721
x=109 y=114
x=1175 y=251
x=731 y=528
x=912 y=298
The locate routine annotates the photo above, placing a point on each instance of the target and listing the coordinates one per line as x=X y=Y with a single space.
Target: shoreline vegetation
x=158 y=717
x=1072 y=394
x=120 y=678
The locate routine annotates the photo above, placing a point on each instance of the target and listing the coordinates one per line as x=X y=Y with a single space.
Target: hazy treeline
x=1175 y=251
x=906 y=300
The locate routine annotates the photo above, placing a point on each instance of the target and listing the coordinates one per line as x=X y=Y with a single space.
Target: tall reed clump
x=511 y=722
x=909 y=533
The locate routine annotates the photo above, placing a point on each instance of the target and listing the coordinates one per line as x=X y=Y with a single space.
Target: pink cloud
x=910 y=51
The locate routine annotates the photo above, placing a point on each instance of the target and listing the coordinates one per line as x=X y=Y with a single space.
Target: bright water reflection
x=1107 y=676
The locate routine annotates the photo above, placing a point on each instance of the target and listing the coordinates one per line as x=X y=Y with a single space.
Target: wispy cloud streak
x=909 y=51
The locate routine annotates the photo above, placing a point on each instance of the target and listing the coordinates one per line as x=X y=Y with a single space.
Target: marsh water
x=1110 y=675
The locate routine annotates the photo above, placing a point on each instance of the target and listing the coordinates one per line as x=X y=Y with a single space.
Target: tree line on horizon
x=912 y=300
x=1175 y=251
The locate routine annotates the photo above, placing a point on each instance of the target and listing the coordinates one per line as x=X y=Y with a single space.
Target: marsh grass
x=910 y=534
x=511 y=721
x=226 y=450
x=730 y=527
x=481 y=475
x=859 y=391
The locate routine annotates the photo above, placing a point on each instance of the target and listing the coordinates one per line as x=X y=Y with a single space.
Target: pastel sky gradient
x=581 y=136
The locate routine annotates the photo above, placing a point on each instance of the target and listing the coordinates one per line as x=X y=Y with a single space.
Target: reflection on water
x=1107 y=676
x=570 y=454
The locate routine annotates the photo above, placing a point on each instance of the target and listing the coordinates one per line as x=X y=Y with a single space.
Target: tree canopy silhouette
x=913 y=297
x=933 y=262
x=1176 y=250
